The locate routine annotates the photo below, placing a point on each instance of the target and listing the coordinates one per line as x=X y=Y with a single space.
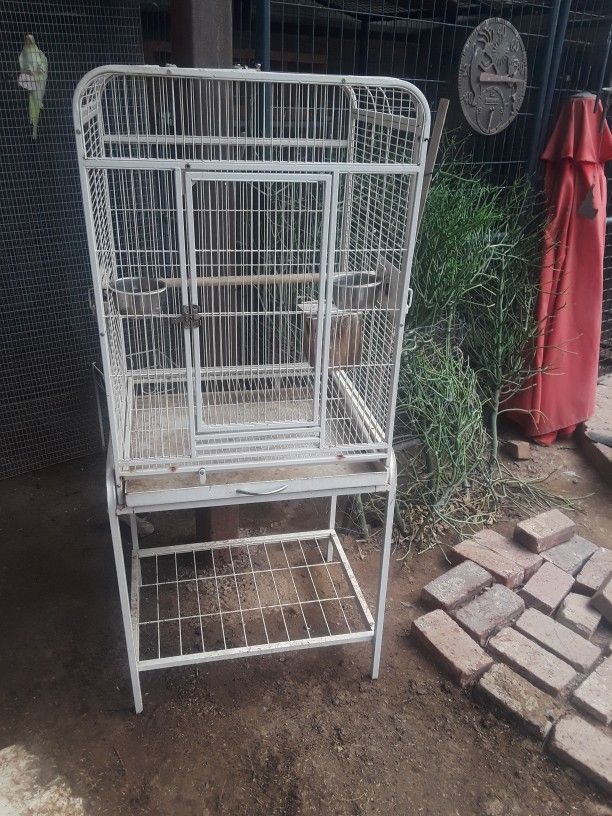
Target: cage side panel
x=138 y=263
x=104 y=271
x=370 y=262
x=89 y=117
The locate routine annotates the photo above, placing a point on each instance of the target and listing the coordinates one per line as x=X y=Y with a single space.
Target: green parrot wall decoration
x=33 y=79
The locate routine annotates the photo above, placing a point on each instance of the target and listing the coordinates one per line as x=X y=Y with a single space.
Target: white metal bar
x=277 y=279
x=328 y=299
x=250 y=541
x=124 y=598
x=374 y=168
x=383 y=576
x=247 y=141
x=166 y=500
x=287 y=456
x=197 y=585
x=324 y=271
x=193 y=382
x=179 y=191
x=135 y=601
x=257 y=173
x=332 y=525
x=352 y=580
x=138 y=468
x=244 y=75
x=253 y=651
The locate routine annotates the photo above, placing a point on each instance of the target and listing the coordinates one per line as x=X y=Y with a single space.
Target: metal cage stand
x=345 y=615
x=251 y=236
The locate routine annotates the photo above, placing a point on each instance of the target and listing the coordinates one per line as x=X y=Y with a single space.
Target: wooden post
x=432 y=153
x=201 y=33
x=201 y=36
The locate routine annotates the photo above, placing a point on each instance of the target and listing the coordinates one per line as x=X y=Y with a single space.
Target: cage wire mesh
x=271 y=591
x=47 y=334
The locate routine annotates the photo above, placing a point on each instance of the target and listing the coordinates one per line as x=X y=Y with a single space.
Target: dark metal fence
x=47 y=333
x=421 y=40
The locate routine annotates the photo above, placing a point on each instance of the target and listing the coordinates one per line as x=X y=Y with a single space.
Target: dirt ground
x=306 y=733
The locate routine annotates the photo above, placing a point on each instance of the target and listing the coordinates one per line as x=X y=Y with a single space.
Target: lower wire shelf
x=216 y=601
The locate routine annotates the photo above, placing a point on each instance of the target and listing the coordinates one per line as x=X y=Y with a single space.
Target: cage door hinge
x=189 y=317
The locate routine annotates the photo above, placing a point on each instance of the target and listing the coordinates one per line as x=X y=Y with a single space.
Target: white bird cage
x=251 y=237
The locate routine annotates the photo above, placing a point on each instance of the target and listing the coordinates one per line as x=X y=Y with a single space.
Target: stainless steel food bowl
x=139 y=296
x=356 y=291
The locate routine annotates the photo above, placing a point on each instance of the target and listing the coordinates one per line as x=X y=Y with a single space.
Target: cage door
x=258 y=249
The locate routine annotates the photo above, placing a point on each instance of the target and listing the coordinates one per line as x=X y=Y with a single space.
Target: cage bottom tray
x=205 y=602
x=274 y=425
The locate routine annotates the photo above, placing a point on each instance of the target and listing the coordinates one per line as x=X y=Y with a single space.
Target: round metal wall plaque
x=492 y=76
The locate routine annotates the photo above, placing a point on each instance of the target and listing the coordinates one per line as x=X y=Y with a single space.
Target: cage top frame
x=87 y=101
x=250 y=74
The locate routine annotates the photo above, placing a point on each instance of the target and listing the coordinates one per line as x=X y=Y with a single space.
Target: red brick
x=545 y=530
x=457 y=586
x=602 y=599
x=571 y=555
x=492 y=540
x=578 y=615
x=485 y=615
x=559 y=640
x=457 y=653
x=595 y=693
x=594 y=572
x=517 y=448
x=533 y=710
x=547 y=588
x=585 y=748
x=502 y=569
x=532 y=661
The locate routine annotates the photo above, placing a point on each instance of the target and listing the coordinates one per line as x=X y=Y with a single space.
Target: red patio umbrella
x=570 y=301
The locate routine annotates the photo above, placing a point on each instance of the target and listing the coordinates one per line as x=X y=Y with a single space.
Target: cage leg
x=125 y=609
x=134 y=531
x=124 y=595
x=135 y=543
x=332 y=526
x=382 y=580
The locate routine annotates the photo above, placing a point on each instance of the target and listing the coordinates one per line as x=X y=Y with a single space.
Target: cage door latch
x=406 y=306
x=189 y=317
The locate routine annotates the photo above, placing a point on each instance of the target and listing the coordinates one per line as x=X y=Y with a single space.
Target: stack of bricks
x=528 y=623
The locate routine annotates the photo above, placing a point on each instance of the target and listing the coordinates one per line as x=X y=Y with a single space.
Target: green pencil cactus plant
x=467 y=348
